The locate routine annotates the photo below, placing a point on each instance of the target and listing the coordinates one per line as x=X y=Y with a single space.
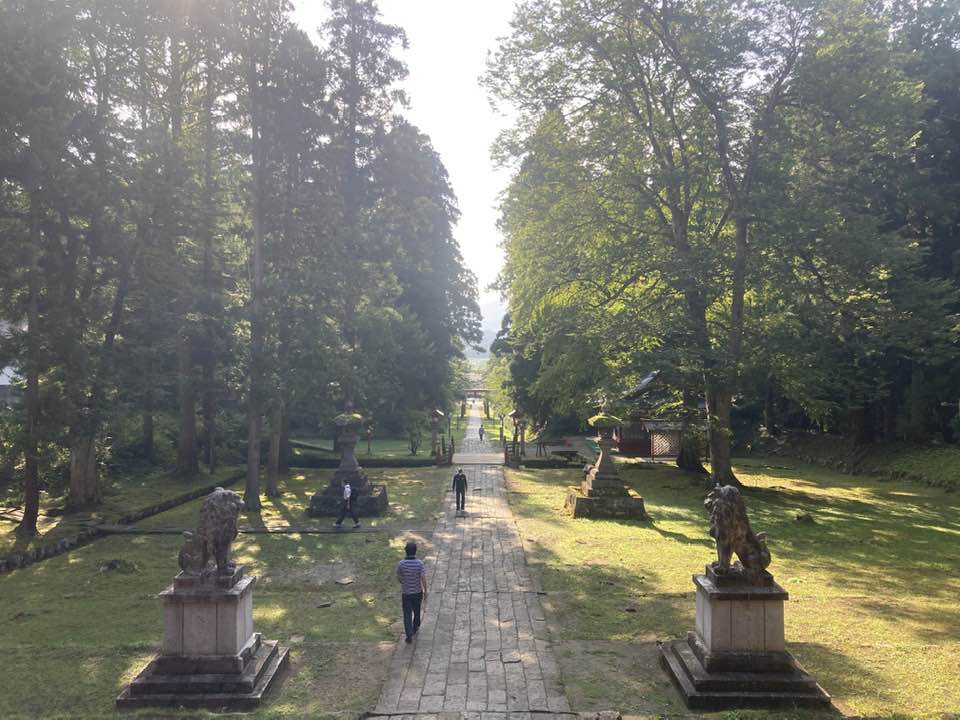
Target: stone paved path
x=472 y=450
x=483 y=651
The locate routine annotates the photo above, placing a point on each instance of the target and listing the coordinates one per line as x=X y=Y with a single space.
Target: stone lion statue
x=212 y=538
x=730 y=527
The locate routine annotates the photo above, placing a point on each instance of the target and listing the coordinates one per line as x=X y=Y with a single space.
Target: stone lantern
x=436 y=415
x=516 y=415
x=368 y=499
x=602 y=493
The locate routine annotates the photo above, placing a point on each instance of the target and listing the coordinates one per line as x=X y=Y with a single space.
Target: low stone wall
x=87 y=535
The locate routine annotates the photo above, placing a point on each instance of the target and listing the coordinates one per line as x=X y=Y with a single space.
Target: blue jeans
x=411 y=613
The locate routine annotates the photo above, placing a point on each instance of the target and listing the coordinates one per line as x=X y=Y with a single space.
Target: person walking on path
x=348 y=506
x=413 y=588
x=481 y=433
x=460 y=488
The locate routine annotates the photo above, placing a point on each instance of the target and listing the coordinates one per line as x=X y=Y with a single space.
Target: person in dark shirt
x=413 y=588
x=460 y=488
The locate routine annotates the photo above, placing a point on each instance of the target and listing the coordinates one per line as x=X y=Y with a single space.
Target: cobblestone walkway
x=473 y=450
x=482 y=652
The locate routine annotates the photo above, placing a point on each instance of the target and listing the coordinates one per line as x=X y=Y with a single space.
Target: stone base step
x=215 y=692
x=624 y=506
x=703 y=690
x=370 y=503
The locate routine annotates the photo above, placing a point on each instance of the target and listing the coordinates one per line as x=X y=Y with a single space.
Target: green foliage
x=731 y=193
x=203 y=209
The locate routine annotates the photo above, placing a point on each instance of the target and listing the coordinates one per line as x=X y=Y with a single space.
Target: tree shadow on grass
x=841 y=674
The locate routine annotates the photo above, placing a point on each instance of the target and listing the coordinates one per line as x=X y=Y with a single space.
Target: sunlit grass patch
x=81 y=626
x=869 y=565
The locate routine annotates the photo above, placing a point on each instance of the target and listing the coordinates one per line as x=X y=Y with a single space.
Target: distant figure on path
x=481 y=433
x=348 y=506
x=413 y=589
x=460 y=488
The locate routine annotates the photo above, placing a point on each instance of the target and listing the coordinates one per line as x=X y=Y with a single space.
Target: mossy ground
x=122 y=494
x=76 y=632
x=873 y=583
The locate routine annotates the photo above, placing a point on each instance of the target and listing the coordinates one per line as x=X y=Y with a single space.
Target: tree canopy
x=206 y=214
x=731 y=193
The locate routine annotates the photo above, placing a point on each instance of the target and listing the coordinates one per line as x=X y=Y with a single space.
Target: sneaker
x=356 y=525
x=409 y=640
x=337 y=525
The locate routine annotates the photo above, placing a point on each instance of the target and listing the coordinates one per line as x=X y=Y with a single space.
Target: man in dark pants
x=460 y=488
x=348 y=506
x=413 y=586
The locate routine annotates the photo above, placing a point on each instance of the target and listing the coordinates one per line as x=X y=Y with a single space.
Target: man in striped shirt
x=413 y=586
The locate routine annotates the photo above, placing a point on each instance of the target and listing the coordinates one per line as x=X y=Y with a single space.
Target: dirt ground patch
x=312 y=574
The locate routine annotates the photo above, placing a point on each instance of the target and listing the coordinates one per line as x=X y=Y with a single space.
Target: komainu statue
x=730 y=527
x=212 y=538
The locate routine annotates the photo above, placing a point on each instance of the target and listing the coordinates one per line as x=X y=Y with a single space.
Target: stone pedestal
x=210 y=657
x=602 y=493
x=369 y=500
x=736 y=656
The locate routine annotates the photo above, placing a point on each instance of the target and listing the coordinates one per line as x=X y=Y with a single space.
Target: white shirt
x=346 y=491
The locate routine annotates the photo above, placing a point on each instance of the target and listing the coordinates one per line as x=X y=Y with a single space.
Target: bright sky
x=449 y=42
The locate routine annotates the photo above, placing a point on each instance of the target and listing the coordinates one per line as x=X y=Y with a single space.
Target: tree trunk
x=209 y=399
x=84 y=485
x=187 y=463
x=284 y=461
x=769 y=409
x=890 y=417
x=858 y=426
x=917 y=429
x=257 y=360
x=719 y=402
x=209 y=403
x=689 y=457
x=273 y=461
x=31 y=481
x=251 y=495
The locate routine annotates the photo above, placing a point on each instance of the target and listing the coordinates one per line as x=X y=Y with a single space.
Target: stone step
x=722 y=681
x=151 y=683
x=745 y=690
x=275 y=659
x=207 y=664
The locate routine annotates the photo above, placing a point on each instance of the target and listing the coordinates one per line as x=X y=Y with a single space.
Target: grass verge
x=872 y=582
x=122 y=494
x=76 y=630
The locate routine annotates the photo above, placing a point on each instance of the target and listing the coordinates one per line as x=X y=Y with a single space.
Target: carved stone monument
x=210 y=656
x=736 y=656
x=602 y=494
x=369 y=500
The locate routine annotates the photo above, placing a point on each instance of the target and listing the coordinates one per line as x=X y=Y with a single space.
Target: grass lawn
x=873 y=584
x=76 y=632
x=121 y=495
